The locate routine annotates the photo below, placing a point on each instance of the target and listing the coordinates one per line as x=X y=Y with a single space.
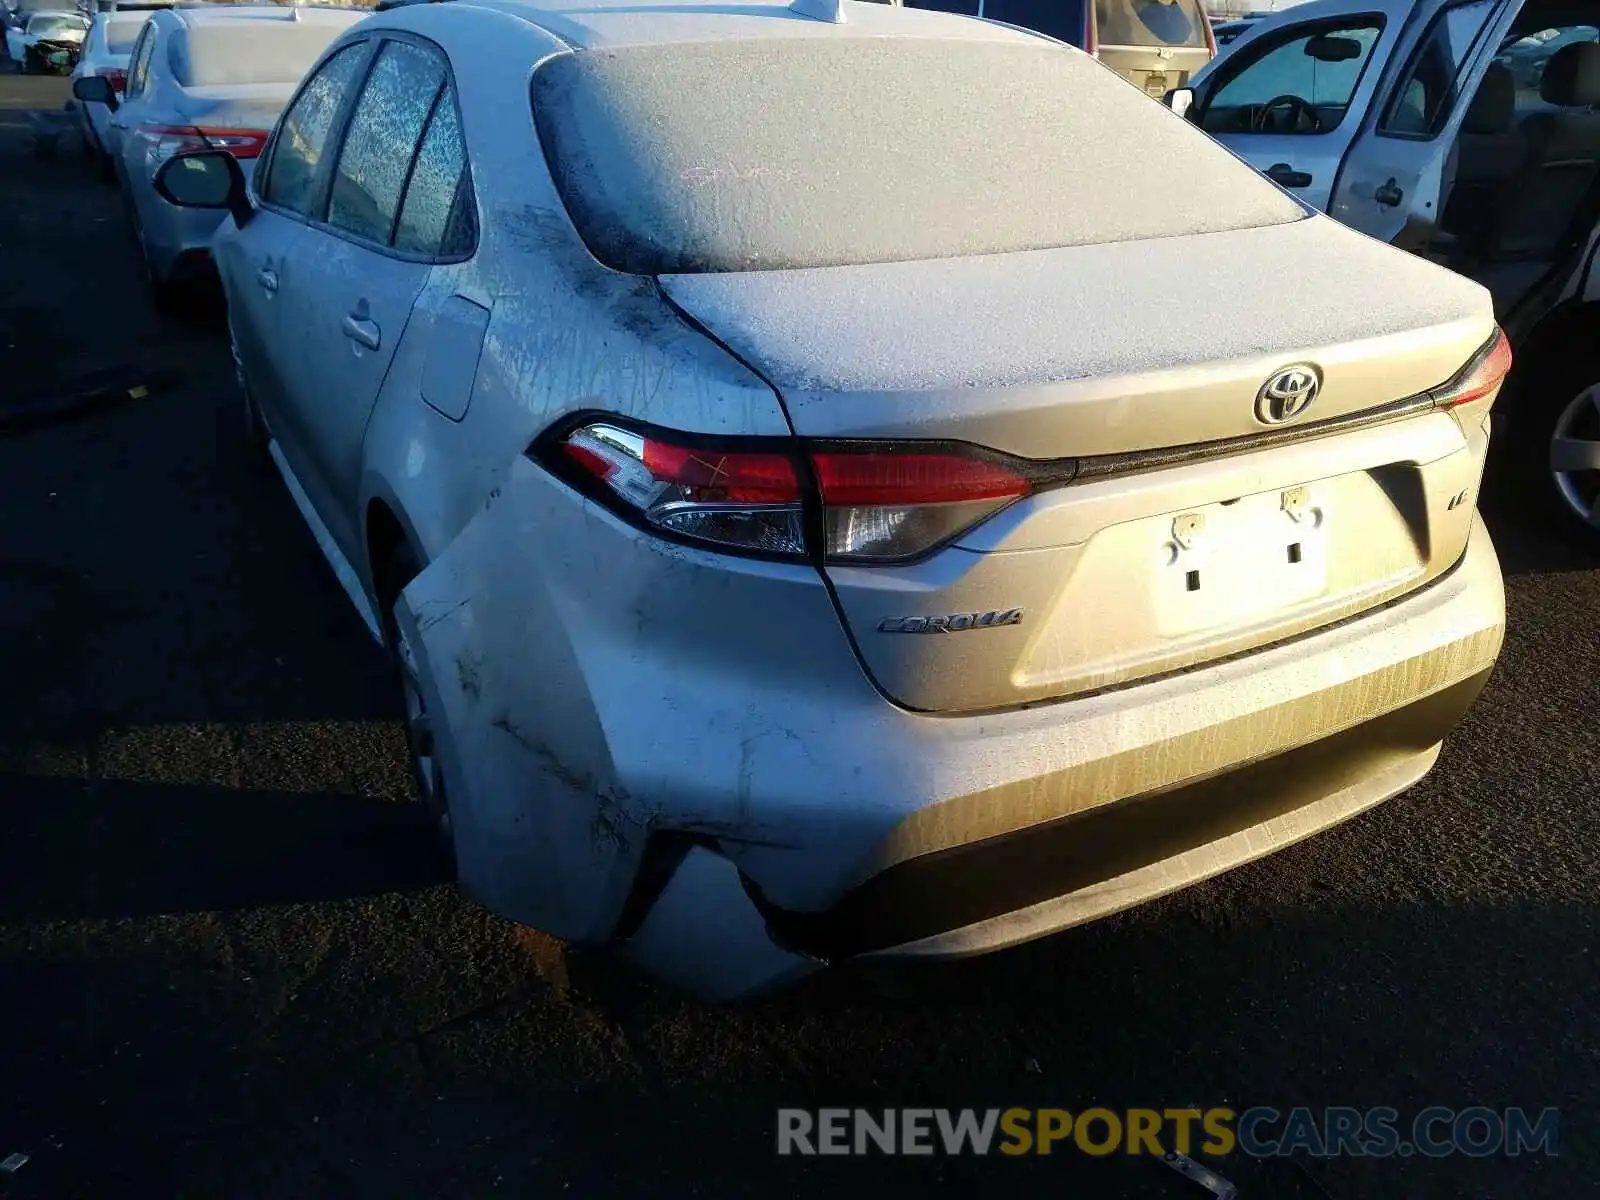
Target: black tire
x=167 y=296
x=399 y=569
x=1545 y=400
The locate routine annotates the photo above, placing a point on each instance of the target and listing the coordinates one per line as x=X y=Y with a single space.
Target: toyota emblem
x=1287 y=394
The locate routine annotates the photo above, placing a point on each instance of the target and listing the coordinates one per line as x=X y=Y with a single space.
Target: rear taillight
x=1471 y=394
x=1487 y=371
x=884 y=505
x=241 y=143
x=117 y=76
x=864 y=502
x=742 y=499
x=164 y=141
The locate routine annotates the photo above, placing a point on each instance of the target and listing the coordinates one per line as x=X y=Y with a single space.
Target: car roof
x=587 y=24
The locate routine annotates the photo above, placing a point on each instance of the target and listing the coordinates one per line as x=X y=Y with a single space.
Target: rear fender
x=543 y=833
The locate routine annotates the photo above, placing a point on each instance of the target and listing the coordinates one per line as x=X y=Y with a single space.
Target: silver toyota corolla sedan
x=821 y=501
x=208 y=76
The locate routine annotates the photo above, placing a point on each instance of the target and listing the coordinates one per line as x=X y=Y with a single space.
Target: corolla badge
x=1287 y=393
x=952 y=622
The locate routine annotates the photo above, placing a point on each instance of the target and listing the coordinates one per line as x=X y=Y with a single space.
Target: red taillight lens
x=167 y=140
x=1487 y=371
x=878 y=503
x=241 y=143
x=164 y=141
x=741 y=500
x=888 y=505
x=886 y=477
x=117 y=76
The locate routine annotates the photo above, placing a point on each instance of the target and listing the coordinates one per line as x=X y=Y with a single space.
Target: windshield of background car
x=240 y=52
x=718 y=156
x=49 y=27
x=123 y=32
x=1150 y=23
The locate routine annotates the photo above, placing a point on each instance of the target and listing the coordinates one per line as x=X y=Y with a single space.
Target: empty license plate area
x=1240 y=562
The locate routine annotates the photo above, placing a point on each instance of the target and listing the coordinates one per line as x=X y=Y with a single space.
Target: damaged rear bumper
x=647 y=744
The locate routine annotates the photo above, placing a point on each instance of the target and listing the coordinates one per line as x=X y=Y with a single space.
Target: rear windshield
x=122 y=33
x=833 y=150
x=248 y=52
x=1150 y=23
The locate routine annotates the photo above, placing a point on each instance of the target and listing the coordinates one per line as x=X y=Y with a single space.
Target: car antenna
x=831 y=11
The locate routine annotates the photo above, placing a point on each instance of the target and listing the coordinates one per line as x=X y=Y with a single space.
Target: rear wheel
x=1556 y=424
x=426 y=772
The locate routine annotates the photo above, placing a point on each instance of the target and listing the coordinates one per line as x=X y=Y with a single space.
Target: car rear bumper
x=177 y=240
x=721 y=788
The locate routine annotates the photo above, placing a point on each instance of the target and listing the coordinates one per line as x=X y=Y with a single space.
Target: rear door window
x=298 y=145
x=382 y=140
x=139 y=67
x=1300 y=83
x=438 y=216
x=1150 y=23
x=1427 y=92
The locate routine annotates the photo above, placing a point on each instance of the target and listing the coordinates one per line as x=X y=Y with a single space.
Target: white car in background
x=63 y=27
x=106 y=52
x=201 y=78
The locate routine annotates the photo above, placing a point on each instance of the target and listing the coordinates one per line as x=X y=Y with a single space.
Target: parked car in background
x=1155 y=44
x=1446 y=129
x=106 y=52
x=1527 y=56
x=201 y=77
x=47 y=41
x=767 y=589
x=1224 y=32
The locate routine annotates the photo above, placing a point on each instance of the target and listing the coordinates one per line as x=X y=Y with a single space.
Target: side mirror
x=209 y=179
x=1329 y=49
x=1179 y=100
x=95 y=89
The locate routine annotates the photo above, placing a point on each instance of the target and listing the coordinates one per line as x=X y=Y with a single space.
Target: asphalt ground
x=229 y=965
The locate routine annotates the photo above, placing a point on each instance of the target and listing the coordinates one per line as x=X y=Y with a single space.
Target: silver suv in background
x=801 y=538
x=1468 y=133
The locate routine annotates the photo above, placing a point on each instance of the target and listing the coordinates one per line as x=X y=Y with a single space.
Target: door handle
x=1284 y=175
x=1388 y=194
x=363 y=330
x=267 y=278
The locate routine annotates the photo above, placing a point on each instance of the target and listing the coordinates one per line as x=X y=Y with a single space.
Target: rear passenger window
x=140 y=67
x=382 y=140
x=297 y=149
x=438 y=216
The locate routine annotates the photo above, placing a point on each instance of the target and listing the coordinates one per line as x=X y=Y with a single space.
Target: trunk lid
x=236 y=106
x=1194 y=530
